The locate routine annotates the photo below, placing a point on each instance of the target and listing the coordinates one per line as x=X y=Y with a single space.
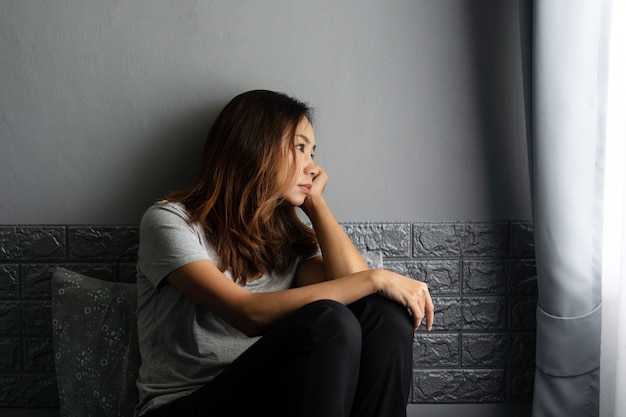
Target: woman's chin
x=294 y=202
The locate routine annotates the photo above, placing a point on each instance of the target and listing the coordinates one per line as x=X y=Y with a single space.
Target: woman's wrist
x=378 y=280
x=313 y=205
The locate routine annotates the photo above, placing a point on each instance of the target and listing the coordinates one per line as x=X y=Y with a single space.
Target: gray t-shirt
x=182 y=345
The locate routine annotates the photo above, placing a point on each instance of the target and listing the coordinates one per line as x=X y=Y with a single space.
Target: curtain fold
x=570 y=52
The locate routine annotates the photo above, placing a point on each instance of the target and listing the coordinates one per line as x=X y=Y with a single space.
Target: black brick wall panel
x=482 y=277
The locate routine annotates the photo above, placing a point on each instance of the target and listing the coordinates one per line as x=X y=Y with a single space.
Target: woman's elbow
x=252 y=331
x=253 y=324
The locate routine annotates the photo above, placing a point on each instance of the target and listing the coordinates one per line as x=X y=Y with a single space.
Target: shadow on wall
x=170 y=160
x=499 y=47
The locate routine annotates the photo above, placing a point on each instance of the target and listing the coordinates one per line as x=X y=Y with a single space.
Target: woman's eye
x=302 y=148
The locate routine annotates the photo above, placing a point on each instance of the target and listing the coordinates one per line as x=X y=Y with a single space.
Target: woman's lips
x=305 y=187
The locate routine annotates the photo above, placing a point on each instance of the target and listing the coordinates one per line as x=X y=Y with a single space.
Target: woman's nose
x=312 y=168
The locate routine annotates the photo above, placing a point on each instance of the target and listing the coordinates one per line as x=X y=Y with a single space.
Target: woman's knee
x=385 y=318
x=331 y=320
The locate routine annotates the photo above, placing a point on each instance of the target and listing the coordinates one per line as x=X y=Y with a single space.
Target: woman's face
x=306 y=169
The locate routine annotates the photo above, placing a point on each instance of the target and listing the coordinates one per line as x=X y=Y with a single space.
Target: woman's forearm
x=341 y=258
x=255 y=313
x=264 y=309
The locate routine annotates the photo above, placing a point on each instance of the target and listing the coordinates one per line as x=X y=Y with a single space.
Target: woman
x=244 y=310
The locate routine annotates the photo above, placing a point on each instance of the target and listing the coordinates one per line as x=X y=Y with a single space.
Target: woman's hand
x=319 y=185
x=319 y=182
x=410 y=293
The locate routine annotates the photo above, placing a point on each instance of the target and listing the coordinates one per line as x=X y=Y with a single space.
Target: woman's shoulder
x=167 y=221
x=166 y=214
x=165 y=208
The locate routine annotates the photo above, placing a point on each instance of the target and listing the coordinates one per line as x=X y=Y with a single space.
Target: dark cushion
x=95 y=344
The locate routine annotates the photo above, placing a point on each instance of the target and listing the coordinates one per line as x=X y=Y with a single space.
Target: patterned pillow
x=95 y=344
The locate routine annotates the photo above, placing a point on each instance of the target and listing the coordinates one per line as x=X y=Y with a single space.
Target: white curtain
x=613 y=352
x=575 y=149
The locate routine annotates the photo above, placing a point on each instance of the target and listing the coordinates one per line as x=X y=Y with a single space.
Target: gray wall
x=420 y=107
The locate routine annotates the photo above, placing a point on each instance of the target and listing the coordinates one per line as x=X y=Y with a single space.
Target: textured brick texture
x=481 y=275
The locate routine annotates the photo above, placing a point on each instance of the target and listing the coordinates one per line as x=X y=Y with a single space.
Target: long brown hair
x=237 y=193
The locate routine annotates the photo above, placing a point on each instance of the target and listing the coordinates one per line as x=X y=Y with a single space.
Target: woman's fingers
x=423 y=307
x=430 y=311
x=418 y=316
x=320 y=181
x=413 y=294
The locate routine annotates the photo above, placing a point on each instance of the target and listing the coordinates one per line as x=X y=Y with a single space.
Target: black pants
x=324 y=360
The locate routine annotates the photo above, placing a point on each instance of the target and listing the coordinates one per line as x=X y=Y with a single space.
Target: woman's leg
x=386 y=358
x=307 y=365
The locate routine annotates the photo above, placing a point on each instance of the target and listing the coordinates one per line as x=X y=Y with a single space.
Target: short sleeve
x=168 y=241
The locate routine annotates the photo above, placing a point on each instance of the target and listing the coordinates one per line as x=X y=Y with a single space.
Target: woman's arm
x=340 y=257
x=255 y=313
